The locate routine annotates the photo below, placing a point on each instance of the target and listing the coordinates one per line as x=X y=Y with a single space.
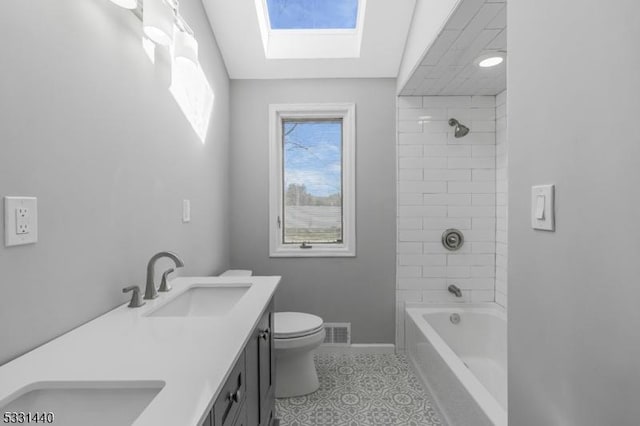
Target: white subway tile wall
x=446 y=182
x=502 y=185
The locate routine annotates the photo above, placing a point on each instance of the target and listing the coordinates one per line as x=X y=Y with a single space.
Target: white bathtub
x=464 y=365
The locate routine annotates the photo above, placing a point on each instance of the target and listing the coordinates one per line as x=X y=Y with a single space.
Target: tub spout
x=455 y=290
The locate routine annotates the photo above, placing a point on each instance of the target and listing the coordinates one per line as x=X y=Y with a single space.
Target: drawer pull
x=264 y=334
x=235 y=396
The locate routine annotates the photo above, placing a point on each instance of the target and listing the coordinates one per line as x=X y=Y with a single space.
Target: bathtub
x=464 y=365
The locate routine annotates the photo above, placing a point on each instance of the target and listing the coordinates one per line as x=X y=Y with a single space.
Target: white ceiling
x=236 y=28
x=448 y=67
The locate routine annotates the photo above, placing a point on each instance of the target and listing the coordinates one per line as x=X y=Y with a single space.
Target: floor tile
x=362 y=390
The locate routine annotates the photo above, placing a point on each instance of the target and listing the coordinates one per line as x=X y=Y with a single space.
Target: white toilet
x=296 y=335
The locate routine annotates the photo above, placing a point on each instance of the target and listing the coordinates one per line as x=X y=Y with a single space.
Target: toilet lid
x=296 y=324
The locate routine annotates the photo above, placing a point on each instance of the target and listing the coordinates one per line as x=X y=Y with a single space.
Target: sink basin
x=85 y=403
x=203 y=301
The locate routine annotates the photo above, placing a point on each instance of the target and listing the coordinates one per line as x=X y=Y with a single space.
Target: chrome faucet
x=150 y=291
x=455 y=290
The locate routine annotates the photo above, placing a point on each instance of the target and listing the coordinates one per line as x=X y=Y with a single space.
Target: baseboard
x=358 y=348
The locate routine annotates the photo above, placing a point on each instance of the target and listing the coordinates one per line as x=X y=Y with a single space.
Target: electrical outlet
x=20 y=220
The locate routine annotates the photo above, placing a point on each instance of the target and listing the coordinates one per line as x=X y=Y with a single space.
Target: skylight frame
x=313 y=43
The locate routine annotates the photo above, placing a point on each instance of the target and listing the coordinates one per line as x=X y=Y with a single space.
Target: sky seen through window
x=312 y=14
x=313 y=156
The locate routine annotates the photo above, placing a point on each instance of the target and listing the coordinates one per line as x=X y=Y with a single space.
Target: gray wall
x=359 y=290
x=89 y=127
x=573 y=106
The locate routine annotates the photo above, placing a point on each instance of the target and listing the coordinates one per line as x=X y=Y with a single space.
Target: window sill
x=315 y=251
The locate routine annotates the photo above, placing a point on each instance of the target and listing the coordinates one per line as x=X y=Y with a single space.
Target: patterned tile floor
x=362 y=390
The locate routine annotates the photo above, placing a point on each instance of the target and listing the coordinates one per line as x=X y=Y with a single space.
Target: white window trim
x=278 y=112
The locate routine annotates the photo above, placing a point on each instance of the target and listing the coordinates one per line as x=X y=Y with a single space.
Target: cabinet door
x=242 y=419
x=266 y=367
x=252 y=403
x=231 y=399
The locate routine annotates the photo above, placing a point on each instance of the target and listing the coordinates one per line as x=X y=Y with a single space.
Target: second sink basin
x=85 y=403
x=203 y=301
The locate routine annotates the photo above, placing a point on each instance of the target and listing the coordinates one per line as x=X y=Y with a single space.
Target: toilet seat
x=291 y=325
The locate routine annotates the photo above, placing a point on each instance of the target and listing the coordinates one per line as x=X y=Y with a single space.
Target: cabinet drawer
x=231 y=396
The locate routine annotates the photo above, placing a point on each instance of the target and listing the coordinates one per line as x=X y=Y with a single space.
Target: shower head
x=460 y=130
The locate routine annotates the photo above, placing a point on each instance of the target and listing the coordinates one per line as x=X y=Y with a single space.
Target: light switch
x=542 y=207
x=186 y=211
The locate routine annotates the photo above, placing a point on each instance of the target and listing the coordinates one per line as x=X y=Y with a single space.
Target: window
x=312 y=14
x=312 y=180
x=311 y=29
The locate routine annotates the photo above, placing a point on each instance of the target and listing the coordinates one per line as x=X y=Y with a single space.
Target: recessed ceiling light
x=490 y=59
x=490 y=62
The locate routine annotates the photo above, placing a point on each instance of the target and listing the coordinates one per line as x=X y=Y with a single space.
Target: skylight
x=311 y=29
x=312 y=14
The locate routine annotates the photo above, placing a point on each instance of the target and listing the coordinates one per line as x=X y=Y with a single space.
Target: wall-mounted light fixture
x=163 y=25
x=166 y=31
x=157 y=21
x=185 y=46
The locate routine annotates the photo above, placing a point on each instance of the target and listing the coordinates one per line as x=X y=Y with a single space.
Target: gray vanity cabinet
x=261 y=372
x=248 y=396
x=267 y=374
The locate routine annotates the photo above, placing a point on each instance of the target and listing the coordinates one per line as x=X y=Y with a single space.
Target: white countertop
x=192 y=355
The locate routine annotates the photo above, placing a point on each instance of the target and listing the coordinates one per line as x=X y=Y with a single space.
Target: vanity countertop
x=192 y=355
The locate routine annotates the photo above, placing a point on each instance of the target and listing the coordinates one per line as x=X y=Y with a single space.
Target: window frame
x=280 y=112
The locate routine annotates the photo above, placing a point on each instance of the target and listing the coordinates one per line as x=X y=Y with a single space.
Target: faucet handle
x=163 y=282
x=135 y=297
